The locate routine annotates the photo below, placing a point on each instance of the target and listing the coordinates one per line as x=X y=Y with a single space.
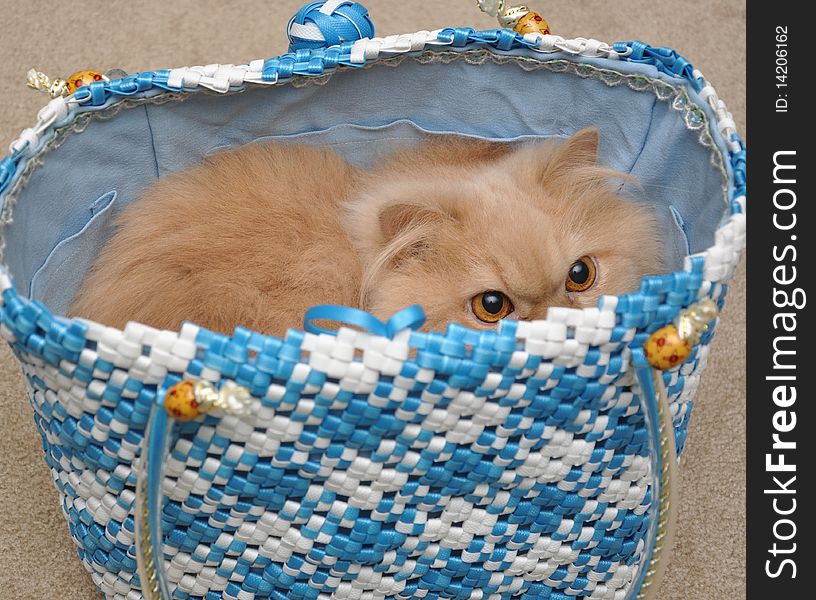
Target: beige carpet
x=37 y=557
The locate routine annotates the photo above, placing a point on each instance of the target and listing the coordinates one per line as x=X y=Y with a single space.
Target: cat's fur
x=257 y=235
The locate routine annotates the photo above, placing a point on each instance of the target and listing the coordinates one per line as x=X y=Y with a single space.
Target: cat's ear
x=571 y=169
x=407 y=228
x=397 y=218
x=581 y=150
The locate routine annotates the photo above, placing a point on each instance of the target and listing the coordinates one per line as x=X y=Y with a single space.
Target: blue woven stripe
x=665 y=59
x=7 y=168
x=738 y=164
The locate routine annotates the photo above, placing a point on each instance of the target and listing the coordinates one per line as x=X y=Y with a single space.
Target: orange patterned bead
x=80 y=78
x=665 y=349
x=532 y=23
x=180 y=401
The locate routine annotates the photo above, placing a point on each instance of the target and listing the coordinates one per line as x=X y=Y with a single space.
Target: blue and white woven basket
x=524 y=462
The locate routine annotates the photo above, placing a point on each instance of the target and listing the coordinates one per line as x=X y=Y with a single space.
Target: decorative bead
x=509 y=16
x=519 y=18
x=231 y=398
x=40 y=81
x=671 y=345
x=666 y=349
x=58 y=87
x=186 y=400
x=321 y=24
x=532 y=23
x=81 y=78
x=180 y=401
x=694 y=321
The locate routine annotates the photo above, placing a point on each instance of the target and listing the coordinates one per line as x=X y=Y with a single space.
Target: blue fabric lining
x=113 y=154
x=359 y=112
x=59 y=276
x=645 y=137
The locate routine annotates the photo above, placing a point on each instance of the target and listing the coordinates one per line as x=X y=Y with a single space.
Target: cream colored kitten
x=473 y=231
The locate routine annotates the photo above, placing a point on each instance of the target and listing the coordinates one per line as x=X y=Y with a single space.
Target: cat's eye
x=581 y=275
x=491 y=306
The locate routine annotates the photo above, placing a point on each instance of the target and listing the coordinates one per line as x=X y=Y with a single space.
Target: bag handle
x=666 y=348
x=175 y=399
x=147 y=518
x=654 y=401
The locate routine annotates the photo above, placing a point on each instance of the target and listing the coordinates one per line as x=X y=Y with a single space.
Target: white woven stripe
x=310 y=31
x=330 y=6
x=721 y=259
x=53 y=112
x=306 y=31
x=725 y=120
x=578 y=46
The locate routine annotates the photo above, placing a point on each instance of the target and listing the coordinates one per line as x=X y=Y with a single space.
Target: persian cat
x=473 y=231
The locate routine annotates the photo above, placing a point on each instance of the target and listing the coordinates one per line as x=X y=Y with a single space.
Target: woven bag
x=375 y=461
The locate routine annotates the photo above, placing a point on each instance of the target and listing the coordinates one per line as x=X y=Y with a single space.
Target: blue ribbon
x=408 y=318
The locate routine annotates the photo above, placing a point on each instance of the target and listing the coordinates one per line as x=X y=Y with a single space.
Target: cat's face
x=500 y=233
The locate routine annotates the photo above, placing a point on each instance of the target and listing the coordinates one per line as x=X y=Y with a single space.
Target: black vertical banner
x=781 y=350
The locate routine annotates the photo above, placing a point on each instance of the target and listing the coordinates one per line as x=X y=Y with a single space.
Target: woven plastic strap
x=321 y=24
